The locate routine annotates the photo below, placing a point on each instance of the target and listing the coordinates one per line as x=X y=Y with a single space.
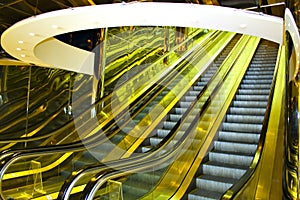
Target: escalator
x=239 y=134
x=227 y=158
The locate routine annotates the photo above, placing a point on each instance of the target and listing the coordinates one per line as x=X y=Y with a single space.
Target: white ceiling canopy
x=31 y=40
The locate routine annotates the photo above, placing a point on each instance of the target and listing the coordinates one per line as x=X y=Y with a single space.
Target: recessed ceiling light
x=32 y=34
x=18 y=49
x=55 y=26
x=20 y=42
x=23 y=55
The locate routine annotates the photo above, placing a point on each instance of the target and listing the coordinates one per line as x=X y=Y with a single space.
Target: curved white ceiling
x=31 y=40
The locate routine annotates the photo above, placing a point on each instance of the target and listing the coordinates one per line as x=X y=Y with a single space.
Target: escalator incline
x=235 y=147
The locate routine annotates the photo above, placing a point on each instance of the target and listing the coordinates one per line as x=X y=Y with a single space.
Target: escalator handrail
x=231 y=192
x=100 y=178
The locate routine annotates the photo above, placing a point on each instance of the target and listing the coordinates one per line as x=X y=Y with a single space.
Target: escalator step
x=205 y=79
x=251 y=97
x=193 y=93
x=253 y=92
x=146 y=148
x=252 y=119
x=155 y=141
x=202 y=83
x=225 y=171
x=238 y=137
x=198 y=88
x=257 y=86
x=237 y=127
x=174 y=117
x=249 y=104
x=162 y=132
x=234 y=147
x=257 y=81
x=262 y=65
x=246 y=111
x=260 y=68
x=234 y=159
x=185 y=104
x=259 y=77
x=180 y=110
x=169 y=124
x=259 y=73
x=189 y=98
x=215 y=184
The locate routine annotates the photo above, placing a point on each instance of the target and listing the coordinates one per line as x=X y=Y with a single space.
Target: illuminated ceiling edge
x=31 y=40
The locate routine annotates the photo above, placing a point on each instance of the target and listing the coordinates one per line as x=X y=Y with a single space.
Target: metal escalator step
x=256 y=86
x=162 y=132
x=146 y=148
x=197 y=88
x=261 y=68
x=189 y=98
x=215 y=184
x=200 y=194
x=223 y=170
x=238 y=137
x=253 y=92
x=246 y=111
x=155 y=141
x=249 y=104
x=257 y=81
x=237 y=127
x=209 y=73
x=235 y=159
x=252 y=119
x=193 y=93
x=180 y=110
x=263 y=60
x=259 y=73
x=169 y=124
x=184 y=104
x=264 y=64
x=205 y=79
x=202 y=83
x=235 y=147
x=175 y=117
x=251 y=97
x=259 y=77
